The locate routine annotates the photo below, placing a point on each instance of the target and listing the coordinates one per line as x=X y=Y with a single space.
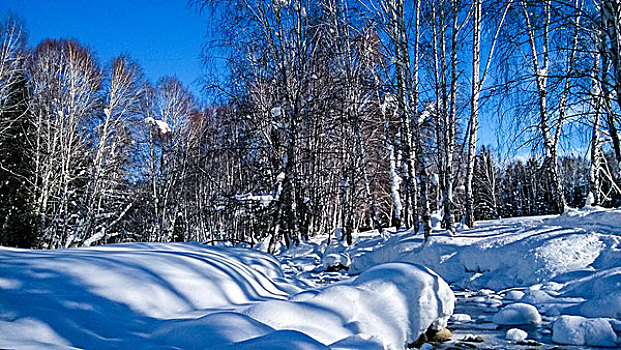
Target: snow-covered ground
x=508 y=275
x=190 y=296
x=531 y=281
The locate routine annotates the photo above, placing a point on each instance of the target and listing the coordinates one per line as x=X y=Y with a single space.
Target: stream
x=477 y=333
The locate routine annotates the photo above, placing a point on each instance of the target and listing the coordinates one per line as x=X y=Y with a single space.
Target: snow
x=517 y=314
x=516 y=335
x=276 y=112
x=192 y=296
x=558 y=276
x=461 y=318
x=336 y=259
x=393 y=302
x=514 y=295
x=161 y=126
x=264 y=199
x=576 y=330
x=590 y=219
x=510 y=253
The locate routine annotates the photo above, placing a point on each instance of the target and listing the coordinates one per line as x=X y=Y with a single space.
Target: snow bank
x=191 y=296
x=602 y=291
x=590 y=219
x=575 y=330
x=116 y=296
x=393 y=304
x=508 y=253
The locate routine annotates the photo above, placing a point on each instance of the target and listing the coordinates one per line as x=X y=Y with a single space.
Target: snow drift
x=190 y=296
x=391 y=303
x=517 y=252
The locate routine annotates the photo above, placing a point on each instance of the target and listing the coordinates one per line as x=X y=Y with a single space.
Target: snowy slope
x=190 y=296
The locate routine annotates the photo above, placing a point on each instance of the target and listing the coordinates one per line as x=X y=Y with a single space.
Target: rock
x=422 y=339
x=529 y=342
x=514 y=295
x=426 y=346
x=440 y=336
x=478 y=299
x=537 y=297
x=494 y=303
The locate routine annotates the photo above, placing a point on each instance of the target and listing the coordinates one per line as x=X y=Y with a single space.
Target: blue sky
x=163 y=36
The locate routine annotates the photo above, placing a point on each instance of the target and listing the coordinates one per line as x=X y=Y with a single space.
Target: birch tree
x=107 y=199
x=65 y=81
x=16 y=223
x=477 y=83
x=168 y=108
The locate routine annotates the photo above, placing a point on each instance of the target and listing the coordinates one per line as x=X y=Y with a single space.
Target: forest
x=325 y=115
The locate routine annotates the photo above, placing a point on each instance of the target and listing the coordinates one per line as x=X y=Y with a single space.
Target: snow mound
x=279 y=340
x=572 y=258
x=514 y=295
x=516 y=335
x=222 y=327
x=393 y=304
x=517 y=314
x=576 y=330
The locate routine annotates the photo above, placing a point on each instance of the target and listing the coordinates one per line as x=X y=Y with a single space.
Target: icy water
x=481 y=306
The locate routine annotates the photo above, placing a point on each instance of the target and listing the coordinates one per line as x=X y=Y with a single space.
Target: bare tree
x=107 y=199
x=477 y=83
x=65 y=81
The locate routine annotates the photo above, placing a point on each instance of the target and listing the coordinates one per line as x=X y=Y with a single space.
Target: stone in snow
x=514 y=295
x=516 y=335
x=461 y=318
x=517 y=314
x=576 y=330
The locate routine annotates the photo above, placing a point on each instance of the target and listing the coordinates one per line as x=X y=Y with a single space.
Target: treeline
x=334 y=113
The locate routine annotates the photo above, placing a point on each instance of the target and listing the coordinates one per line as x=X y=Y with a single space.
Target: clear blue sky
x=163 y=36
